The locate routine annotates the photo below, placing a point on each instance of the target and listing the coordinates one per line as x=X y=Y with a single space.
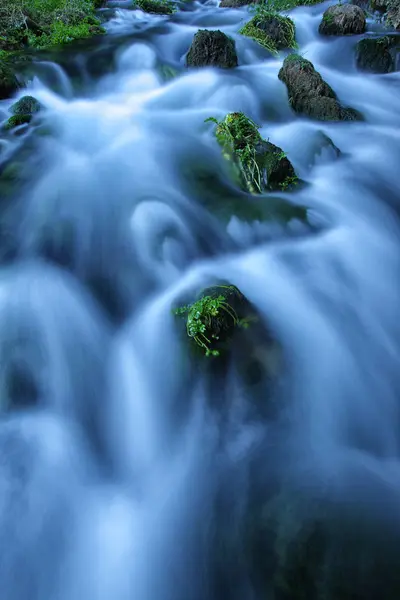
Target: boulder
x=309 y=94
x=343 y=19
x=212 y=49
x=27 y=105
x=259 y=165
x=234 y=3
x=213 y=318
x=272 y=31
x=377 y=55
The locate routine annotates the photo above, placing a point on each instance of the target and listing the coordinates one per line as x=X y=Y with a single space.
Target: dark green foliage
x=213 y=317
x=212 y=48
x=8 y=80
x=160 y=7
x=309 y=94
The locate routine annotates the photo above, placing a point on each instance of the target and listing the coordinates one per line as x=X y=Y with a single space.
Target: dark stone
x=343 y=19
x=27 y=105
x=16 y=121
x=309 y=94
x=235 y=3
x=279 y=29
x=393 y=14
x=212 y=48
x=374 y=54
x=278 y=172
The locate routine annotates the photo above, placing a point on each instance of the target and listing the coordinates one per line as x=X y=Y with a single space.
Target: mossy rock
x=343 y=19
x=9 y=83
x=16 y=121
x=377 y=55
x=258 y=165
x=158 y=7
x=309 y=94
x=393 y=14
x=27 y=105
x=272 y=31
x=212 y=49
x=214 y=317
x=234 y=3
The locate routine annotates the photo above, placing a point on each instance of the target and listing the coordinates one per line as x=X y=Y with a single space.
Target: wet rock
x=214 y=317
x=27 y=105
x=343 y=19
x=322 y=149
x=376 y=54
x=8 y=81
x=159 y=7
x=379 y=5
x=309 y=94
x=258 y=164
x=212 y=48
x=16 y=121
x=272 y=31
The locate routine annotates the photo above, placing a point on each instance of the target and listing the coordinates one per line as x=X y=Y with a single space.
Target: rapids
x=126 y=473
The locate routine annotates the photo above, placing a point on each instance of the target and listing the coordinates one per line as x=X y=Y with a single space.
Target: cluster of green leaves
x=160 y=7
x=238 y=135
x=200 y=317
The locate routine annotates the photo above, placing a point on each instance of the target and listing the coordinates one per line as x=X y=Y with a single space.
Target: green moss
x=17 y=120
x=46 y=23
x=271 y=30
x=160 y=7
x=276 y=6
x=210 y=315
x=27 y=105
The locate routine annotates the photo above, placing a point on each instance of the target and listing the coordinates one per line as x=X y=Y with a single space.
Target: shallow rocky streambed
x=133 y=466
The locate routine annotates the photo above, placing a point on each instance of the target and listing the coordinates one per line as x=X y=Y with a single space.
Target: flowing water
x=128 y=472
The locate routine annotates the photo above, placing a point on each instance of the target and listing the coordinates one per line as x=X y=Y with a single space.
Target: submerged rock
x=212 y=48
x=16 y=121
x=8 y=81
x=343 y=19
x=377 y=54
x=159 y=7
x=259 y=165
x=272 y=31
x=234 y=3
x=309 y=94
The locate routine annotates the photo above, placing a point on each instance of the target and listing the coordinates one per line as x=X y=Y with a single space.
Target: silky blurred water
x=127 y=471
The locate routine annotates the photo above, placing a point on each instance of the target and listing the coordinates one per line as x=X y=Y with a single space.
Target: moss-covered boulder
x=212 y=49
x=343 y=19
x=16 y=121
x=377 y=55
x=158 y=7
x=258 y=165
x=309 y=94
x=213 y=318
x=27 y=105
x=8 y=81
x=271 y=30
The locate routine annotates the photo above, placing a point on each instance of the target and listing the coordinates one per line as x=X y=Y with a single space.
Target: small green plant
x=210 y=315
x=289 y=182
x=238 y=135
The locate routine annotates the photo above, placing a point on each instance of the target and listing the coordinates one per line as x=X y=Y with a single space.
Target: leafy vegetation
x=238 y=135
x=44 y=23
x=208 y=316
x=160 y=7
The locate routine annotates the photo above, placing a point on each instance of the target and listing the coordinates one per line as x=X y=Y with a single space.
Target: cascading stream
x=127 y=471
